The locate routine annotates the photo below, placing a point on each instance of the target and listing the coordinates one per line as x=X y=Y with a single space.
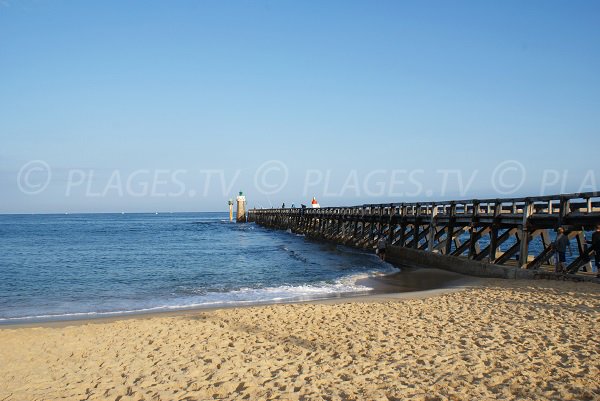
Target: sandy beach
x=497 y=340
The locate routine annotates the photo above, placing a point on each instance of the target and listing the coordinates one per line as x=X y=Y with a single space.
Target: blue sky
x=361 y=92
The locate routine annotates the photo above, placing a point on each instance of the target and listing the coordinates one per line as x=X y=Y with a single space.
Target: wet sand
x=485 y=339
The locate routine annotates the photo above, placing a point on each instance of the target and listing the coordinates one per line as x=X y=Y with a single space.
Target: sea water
x=56 y=267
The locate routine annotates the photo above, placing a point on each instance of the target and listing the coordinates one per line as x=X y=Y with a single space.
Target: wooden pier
x=513 y=232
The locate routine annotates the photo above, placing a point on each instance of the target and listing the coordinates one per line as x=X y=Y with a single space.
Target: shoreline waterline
x=407 y=284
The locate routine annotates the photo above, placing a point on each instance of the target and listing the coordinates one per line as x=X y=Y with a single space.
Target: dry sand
x=521 y=340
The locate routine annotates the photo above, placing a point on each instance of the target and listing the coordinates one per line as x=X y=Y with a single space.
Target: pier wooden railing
x=497 y=231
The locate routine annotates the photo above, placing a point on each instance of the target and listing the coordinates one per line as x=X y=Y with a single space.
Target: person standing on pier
x=560 y=245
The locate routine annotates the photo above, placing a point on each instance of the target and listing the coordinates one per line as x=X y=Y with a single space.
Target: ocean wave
x=347 y=285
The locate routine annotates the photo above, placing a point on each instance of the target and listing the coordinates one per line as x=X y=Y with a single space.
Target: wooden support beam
x=450 y=229
x=524 y=234
x=492 y=254
x=473 y=231
x=432 y=226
